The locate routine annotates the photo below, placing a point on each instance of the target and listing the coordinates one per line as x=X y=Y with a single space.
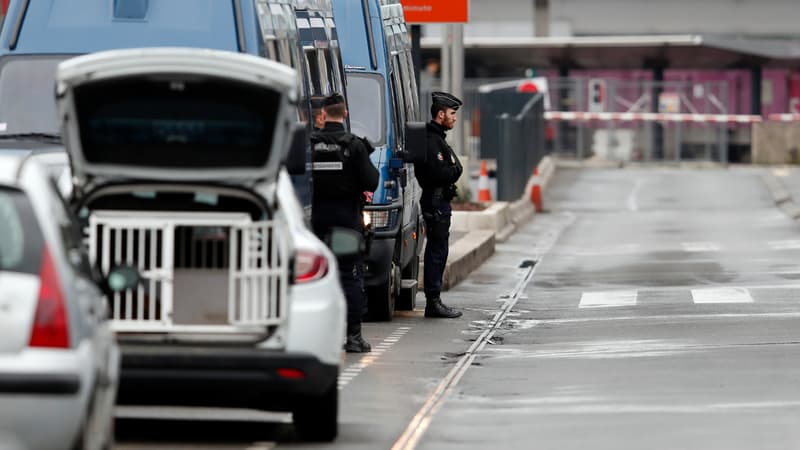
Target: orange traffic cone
x=536 y=192
x=483 y=185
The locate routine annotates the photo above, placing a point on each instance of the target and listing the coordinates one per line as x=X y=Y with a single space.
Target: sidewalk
x=473 y=234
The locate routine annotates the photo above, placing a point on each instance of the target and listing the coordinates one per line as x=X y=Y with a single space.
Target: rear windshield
x=20 y=236
x=176 y=122
x=84 y=26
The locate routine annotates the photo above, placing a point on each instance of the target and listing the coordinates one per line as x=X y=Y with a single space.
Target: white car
x=59 y=363
x=176 y=158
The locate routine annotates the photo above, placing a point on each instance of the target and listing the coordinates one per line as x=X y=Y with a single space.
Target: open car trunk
x=166 y=147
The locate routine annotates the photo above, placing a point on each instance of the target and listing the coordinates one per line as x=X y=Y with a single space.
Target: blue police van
x=38 y=34
x=383 y=102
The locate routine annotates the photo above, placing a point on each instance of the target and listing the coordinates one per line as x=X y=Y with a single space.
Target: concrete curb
x=781 y=196
x=485 y=228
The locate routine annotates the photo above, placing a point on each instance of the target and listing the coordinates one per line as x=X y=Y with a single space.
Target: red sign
x=5 y=6
x=441 y=11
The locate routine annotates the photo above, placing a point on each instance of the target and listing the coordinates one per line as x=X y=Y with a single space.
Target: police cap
x=317 y=102
x=334 y=99
x=446 y=100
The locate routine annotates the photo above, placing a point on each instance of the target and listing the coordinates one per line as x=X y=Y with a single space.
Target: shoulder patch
x=440 y=156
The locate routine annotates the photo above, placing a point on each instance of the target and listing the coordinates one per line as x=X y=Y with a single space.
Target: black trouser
x=351 y=268
x=437 y=224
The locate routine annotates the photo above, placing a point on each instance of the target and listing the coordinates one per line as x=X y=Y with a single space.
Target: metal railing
x=520 y=146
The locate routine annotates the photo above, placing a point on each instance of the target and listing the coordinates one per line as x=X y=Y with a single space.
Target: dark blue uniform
x=437 y=177
x=342 y=173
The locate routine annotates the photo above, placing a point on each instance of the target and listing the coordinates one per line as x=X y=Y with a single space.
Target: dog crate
x=203 y=272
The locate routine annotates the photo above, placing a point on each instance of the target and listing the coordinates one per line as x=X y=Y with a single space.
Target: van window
x=73 y=27
x=313 y=72
x=172 y=122
x=323 y=59
x=27 y=104
x=365 y=96
x=399 y=95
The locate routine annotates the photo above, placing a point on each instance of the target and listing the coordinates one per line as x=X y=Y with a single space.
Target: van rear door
x=175 y=114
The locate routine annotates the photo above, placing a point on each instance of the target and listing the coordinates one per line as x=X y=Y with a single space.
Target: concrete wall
x=776 y=143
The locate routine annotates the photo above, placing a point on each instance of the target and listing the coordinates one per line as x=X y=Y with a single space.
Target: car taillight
x=50 y=327
x=309 y=266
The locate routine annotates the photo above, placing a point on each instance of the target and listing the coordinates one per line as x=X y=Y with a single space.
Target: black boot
x=355 y=341
x=435 y=308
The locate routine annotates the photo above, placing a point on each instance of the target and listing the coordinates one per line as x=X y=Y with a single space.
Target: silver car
x=59 y=362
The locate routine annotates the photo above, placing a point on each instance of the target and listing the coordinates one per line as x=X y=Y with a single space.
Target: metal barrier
x=636 y=120
x=520 y=146
x=645 y=120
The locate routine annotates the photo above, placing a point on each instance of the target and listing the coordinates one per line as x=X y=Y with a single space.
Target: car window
x=365 y=97
x=20 y=236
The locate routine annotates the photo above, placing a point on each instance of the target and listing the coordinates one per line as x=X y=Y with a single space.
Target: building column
x=755 y=90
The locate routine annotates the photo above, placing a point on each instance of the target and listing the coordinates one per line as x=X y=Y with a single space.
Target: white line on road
x=420 y=422
x=608 y=299
x=700 y=247
x=721 y=295
x=351 y=371
x=785 y=245
x=633 y=205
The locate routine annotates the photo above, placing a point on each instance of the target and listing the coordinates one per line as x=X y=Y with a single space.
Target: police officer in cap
x=342 y=173
x=437 y=176
x=318 y=112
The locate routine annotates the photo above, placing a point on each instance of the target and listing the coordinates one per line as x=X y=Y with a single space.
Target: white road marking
x=721 y=295
x=633 y=205
x=350 y=372
x=608 y=299
x=785 y=245
x=700 y=247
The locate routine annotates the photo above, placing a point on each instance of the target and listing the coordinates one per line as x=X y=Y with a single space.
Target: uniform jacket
x=442 y=167
x=338 y=192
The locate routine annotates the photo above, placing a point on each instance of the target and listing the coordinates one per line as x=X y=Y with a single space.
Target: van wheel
x=406 y=301
x=381 y=298
x=318 y=419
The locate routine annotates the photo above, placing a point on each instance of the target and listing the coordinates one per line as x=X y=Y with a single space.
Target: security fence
x=645 y=120
x=620 y=119
x=520 y=145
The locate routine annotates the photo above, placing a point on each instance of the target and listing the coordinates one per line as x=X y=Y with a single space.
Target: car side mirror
x=345 y=242
x=416 y=146
x=296 y=159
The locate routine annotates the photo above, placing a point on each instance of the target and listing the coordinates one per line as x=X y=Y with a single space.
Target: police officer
x=318 y=112
x=437 y=176
x=342 y=173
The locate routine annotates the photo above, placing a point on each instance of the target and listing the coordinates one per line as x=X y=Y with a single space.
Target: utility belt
x=435 y=203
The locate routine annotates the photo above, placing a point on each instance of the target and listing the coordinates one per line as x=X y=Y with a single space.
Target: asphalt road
x=661 y=312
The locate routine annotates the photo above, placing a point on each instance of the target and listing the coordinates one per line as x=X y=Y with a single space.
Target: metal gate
x=252 y=255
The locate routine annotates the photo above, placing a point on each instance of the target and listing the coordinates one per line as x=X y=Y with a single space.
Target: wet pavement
x=661 y=313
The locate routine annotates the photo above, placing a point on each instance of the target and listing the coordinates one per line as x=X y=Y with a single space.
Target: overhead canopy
x=626 y=52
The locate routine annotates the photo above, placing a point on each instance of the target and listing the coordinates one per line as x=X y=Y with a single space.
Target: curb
x=781 y=196
x=485 y=228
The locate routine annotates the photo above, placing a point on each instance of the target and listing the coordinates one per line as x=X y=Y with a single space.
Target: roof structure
x=685 y=51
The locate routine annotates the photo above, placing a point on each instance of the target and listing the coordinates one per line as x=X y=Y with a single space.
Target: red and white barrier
x=651 y=117
x=784 y=117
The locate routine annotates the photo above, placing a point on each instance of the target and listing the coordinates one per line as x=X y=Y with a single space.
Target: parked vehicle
x=177 y=156
x=384 y=107
x=59 y=363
